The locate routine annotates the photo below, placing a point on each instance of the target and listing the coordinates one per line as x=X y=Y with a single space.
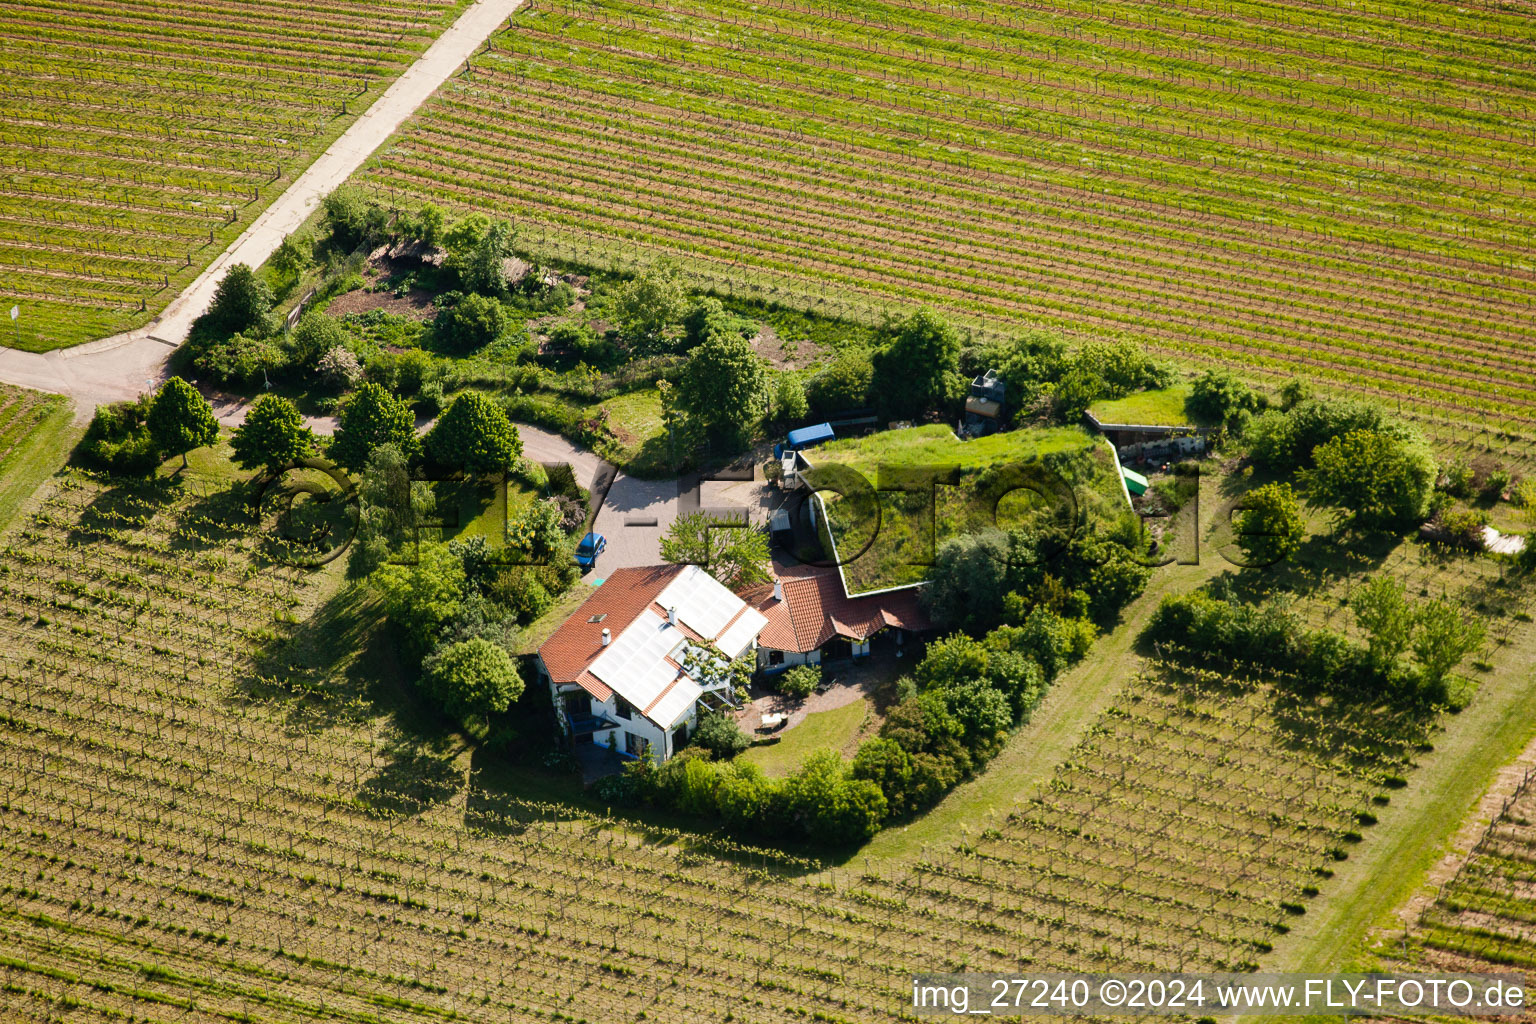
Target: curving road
x=122 y=366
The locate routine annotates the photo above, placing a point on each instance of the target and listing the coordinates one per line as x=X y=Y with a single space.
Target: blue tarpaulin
x=805 y=437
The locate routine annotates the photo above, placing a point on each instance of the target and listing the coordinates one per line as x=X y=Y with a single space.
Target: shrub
x=789 y=401
x=118 y=440
x=1464 y=526
x=240 y=360
x=829 y=806
x=842 y=385
x=312 y=337
x=339 y=369
x=887 y=765
x=800 y=681
x=468 y=322
x=720 y=735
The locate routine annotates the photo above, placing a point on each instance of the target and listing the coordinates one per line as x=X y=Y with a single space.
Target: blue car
x=587 y=551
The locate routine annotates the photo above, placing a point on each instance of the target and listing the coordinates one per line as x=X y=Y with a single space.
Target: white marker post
x=16 y=312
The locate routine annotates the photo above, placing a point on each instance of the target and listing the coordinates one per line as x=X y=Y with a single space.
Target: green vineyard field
x=208 y=817
x=140 y=137
x=1339 y=190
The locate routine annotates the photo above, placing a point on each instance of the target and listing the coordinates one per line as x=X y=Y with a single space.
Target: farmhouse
x=631 y=666
x=809 y=618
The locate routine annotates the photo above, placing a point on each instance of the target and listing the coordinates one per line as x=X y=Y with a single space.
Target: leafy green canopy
x=180 y=419
x=272 y=436
x=471 y=677
x=474 y=435
x=373 y=417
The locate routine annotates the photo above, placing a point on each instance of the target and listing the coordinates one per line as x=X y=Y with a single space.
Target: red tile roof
x=620 y=600
x=815 y=609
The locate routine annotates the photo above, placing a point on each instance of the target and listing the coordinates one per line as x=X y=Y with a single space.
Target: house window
x=578 y=705
x=775 y=657
x=622 y=708
x=635 y=745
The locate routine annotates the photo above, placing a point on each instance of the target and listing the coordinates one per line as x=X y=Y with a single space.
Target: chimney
x=672 y=615
x=778 y=590
x=607 y=636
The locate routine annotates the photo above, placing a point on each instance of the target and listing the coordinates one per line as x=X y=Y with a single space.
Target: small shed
x=809 y=437
x=1134 y=481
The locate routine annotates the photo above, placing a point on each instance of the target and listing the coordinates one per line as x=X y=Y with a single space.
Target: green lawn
x=980 y=483
x=482 y=509
x=640 y=439
x=838 y=729
x=36 y=433
x=1162 y=408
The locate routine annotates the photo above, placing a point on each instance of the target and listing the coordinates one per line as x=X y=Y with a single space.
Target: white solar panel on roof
x=676 y=703
x=743 y=631
x=702 y=604
x=648 y=640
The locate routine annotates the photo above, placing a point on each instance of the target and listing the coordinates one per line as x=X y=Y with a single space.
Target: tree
x=180 y=419
x=241 y=303
x=725 y=386
x=967 y=581
x=950 y=661
x=1270 y=524
x=353 y=219
x=919 y=371
x=1372 y=479
x=480 y=266
x=1217 y=396
x=390 y=504
x=789 y=403
x=474 y=435
x=646 y=306
x=1382 y=610
x=425 y=225
x=735 y=555
x=272 y=436
x=291 y=257
x=421 y=598
x=720 y=735
x=471 y=677
x=370 y=418
x=1442 y=636
x=470 y=323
